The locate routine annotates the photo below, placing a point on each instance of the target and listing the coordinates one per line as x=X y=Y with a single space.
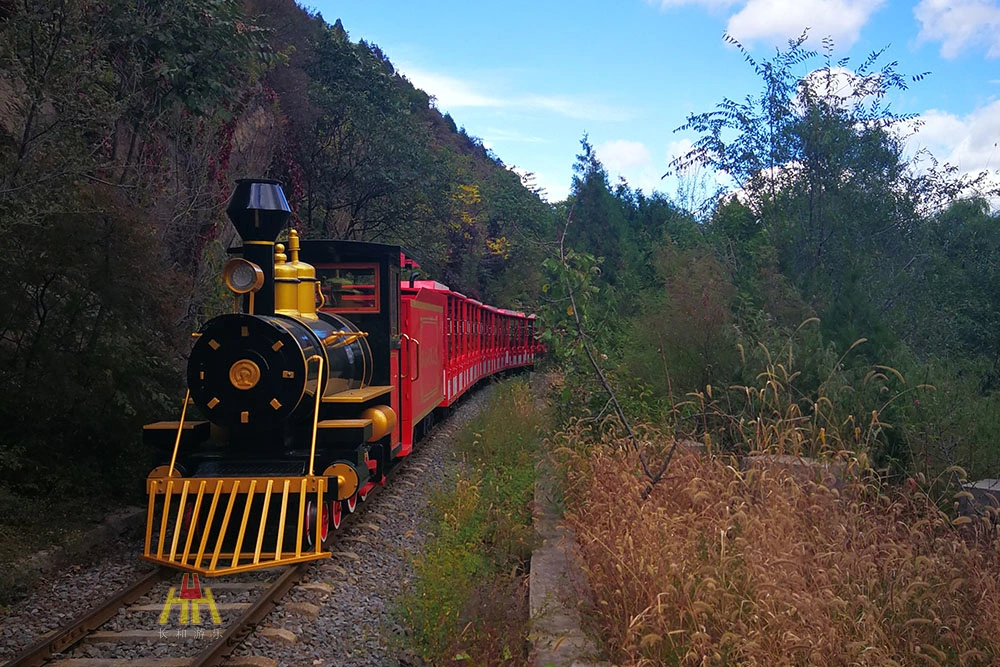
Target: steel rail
x=237 y=631
x=64 y=638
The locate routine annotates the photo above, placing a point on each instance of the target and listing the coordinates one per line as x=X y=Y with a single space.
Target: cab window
x=349 y=288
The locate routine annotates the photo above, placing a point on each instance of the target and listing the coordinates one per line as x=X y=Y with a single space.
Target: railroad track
x=128 y=623
x=136 y=605
x=186 y=614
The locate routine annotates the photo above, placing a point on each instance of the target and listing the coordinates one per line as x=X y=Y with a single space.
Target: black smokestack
x=259 y=211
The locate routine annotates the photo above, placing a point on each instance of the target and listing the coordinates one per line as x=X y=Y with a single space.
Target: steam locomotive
x=330 y=367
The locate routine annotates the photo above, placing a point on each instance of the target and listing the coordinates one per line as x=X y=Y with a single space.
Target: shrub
x=469 y=596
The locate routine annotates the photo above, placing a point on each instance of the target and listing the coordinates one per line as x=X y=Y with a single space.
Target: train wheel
x=193 y=526
x=310 y=523
x=336 y=513
x=352 y=503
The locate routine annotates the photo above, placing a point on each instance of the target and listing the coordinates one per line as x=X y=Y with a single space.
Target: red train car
x=445 y=342
x=469 y=342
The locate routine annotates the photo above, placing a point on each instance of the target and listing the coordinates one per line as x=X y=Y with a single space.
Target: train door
x=421 y=368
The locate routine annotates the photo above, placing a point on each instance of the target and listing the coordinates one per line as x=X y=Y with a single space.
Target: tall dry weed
x=839 y=417
x=724 y=567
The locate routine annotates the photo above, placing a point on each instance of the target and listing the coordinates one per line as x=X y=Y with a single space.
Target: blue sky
x=530 y=78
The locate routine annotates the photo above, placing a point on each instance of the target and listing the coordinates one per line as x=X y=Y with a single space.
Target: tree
x=819 y=163
x=112 y=130
x=953 y=306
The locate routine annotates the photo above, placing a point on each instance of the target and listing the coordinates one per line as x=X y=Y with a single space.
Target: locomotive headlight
x=242 y=275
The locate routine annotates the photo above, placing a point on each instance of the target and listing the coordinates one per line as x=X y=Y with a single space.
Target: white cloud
x=528 y=178
x=779 y=20
x=551 y=191
x=449 y=92
x=623 y=155
x=453 y=93
x=970 y=142
x=578 y=107
x=678 y=147
x=634 y=162
x=840 y=83
x=960 y=25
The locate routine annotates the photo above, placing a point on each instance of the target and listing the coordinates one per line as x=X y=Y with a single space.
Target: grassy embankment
x=726 y=566
x=468 y=603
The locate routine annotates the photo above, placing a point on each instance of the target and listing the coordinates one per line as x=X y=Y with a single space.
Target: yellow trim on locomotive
x=346 y=478
x=383 y=421
x=185 y=541
x=175 y=524
x=360 y=395
x=244 y=374
x=306 y=273
x=318 y=399
x=286 y=284
x=221 y=525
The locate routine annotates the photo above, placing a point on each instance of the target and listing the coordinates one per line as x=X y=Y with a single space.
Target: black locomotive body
x=291 y=429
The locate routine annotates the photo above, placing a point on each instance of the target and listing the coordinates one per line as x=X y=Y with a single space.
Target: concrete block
x=830 y=474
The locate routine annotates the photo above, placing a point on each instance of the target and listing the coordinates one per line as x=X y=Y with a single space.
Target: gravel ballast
x=369 y=570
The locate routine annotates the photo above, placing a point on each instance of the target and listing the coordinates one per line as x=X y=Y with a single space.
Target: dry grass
x=839 y=418
x=722 y=567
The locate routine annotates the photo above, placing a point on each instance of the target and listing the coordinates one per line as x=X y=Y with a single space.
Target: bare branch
x=652 y=477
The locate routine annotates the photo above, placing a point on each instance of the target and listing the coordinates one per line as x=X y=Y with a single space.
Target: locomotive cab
x=360 y=281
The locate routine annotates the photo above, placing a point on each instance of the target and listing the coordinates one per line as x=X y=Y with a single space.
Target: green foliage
x=822 y=175
x=87 y=360
x=467 y=598
x=365 y=155
x=575 y=274
x=832 y=222
x=192 y=52
x=842 y=305
x=112 y=141
x=603 y=280
x=601 y=227
x=683 y=335
x=122 y=128
x=959 y=281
